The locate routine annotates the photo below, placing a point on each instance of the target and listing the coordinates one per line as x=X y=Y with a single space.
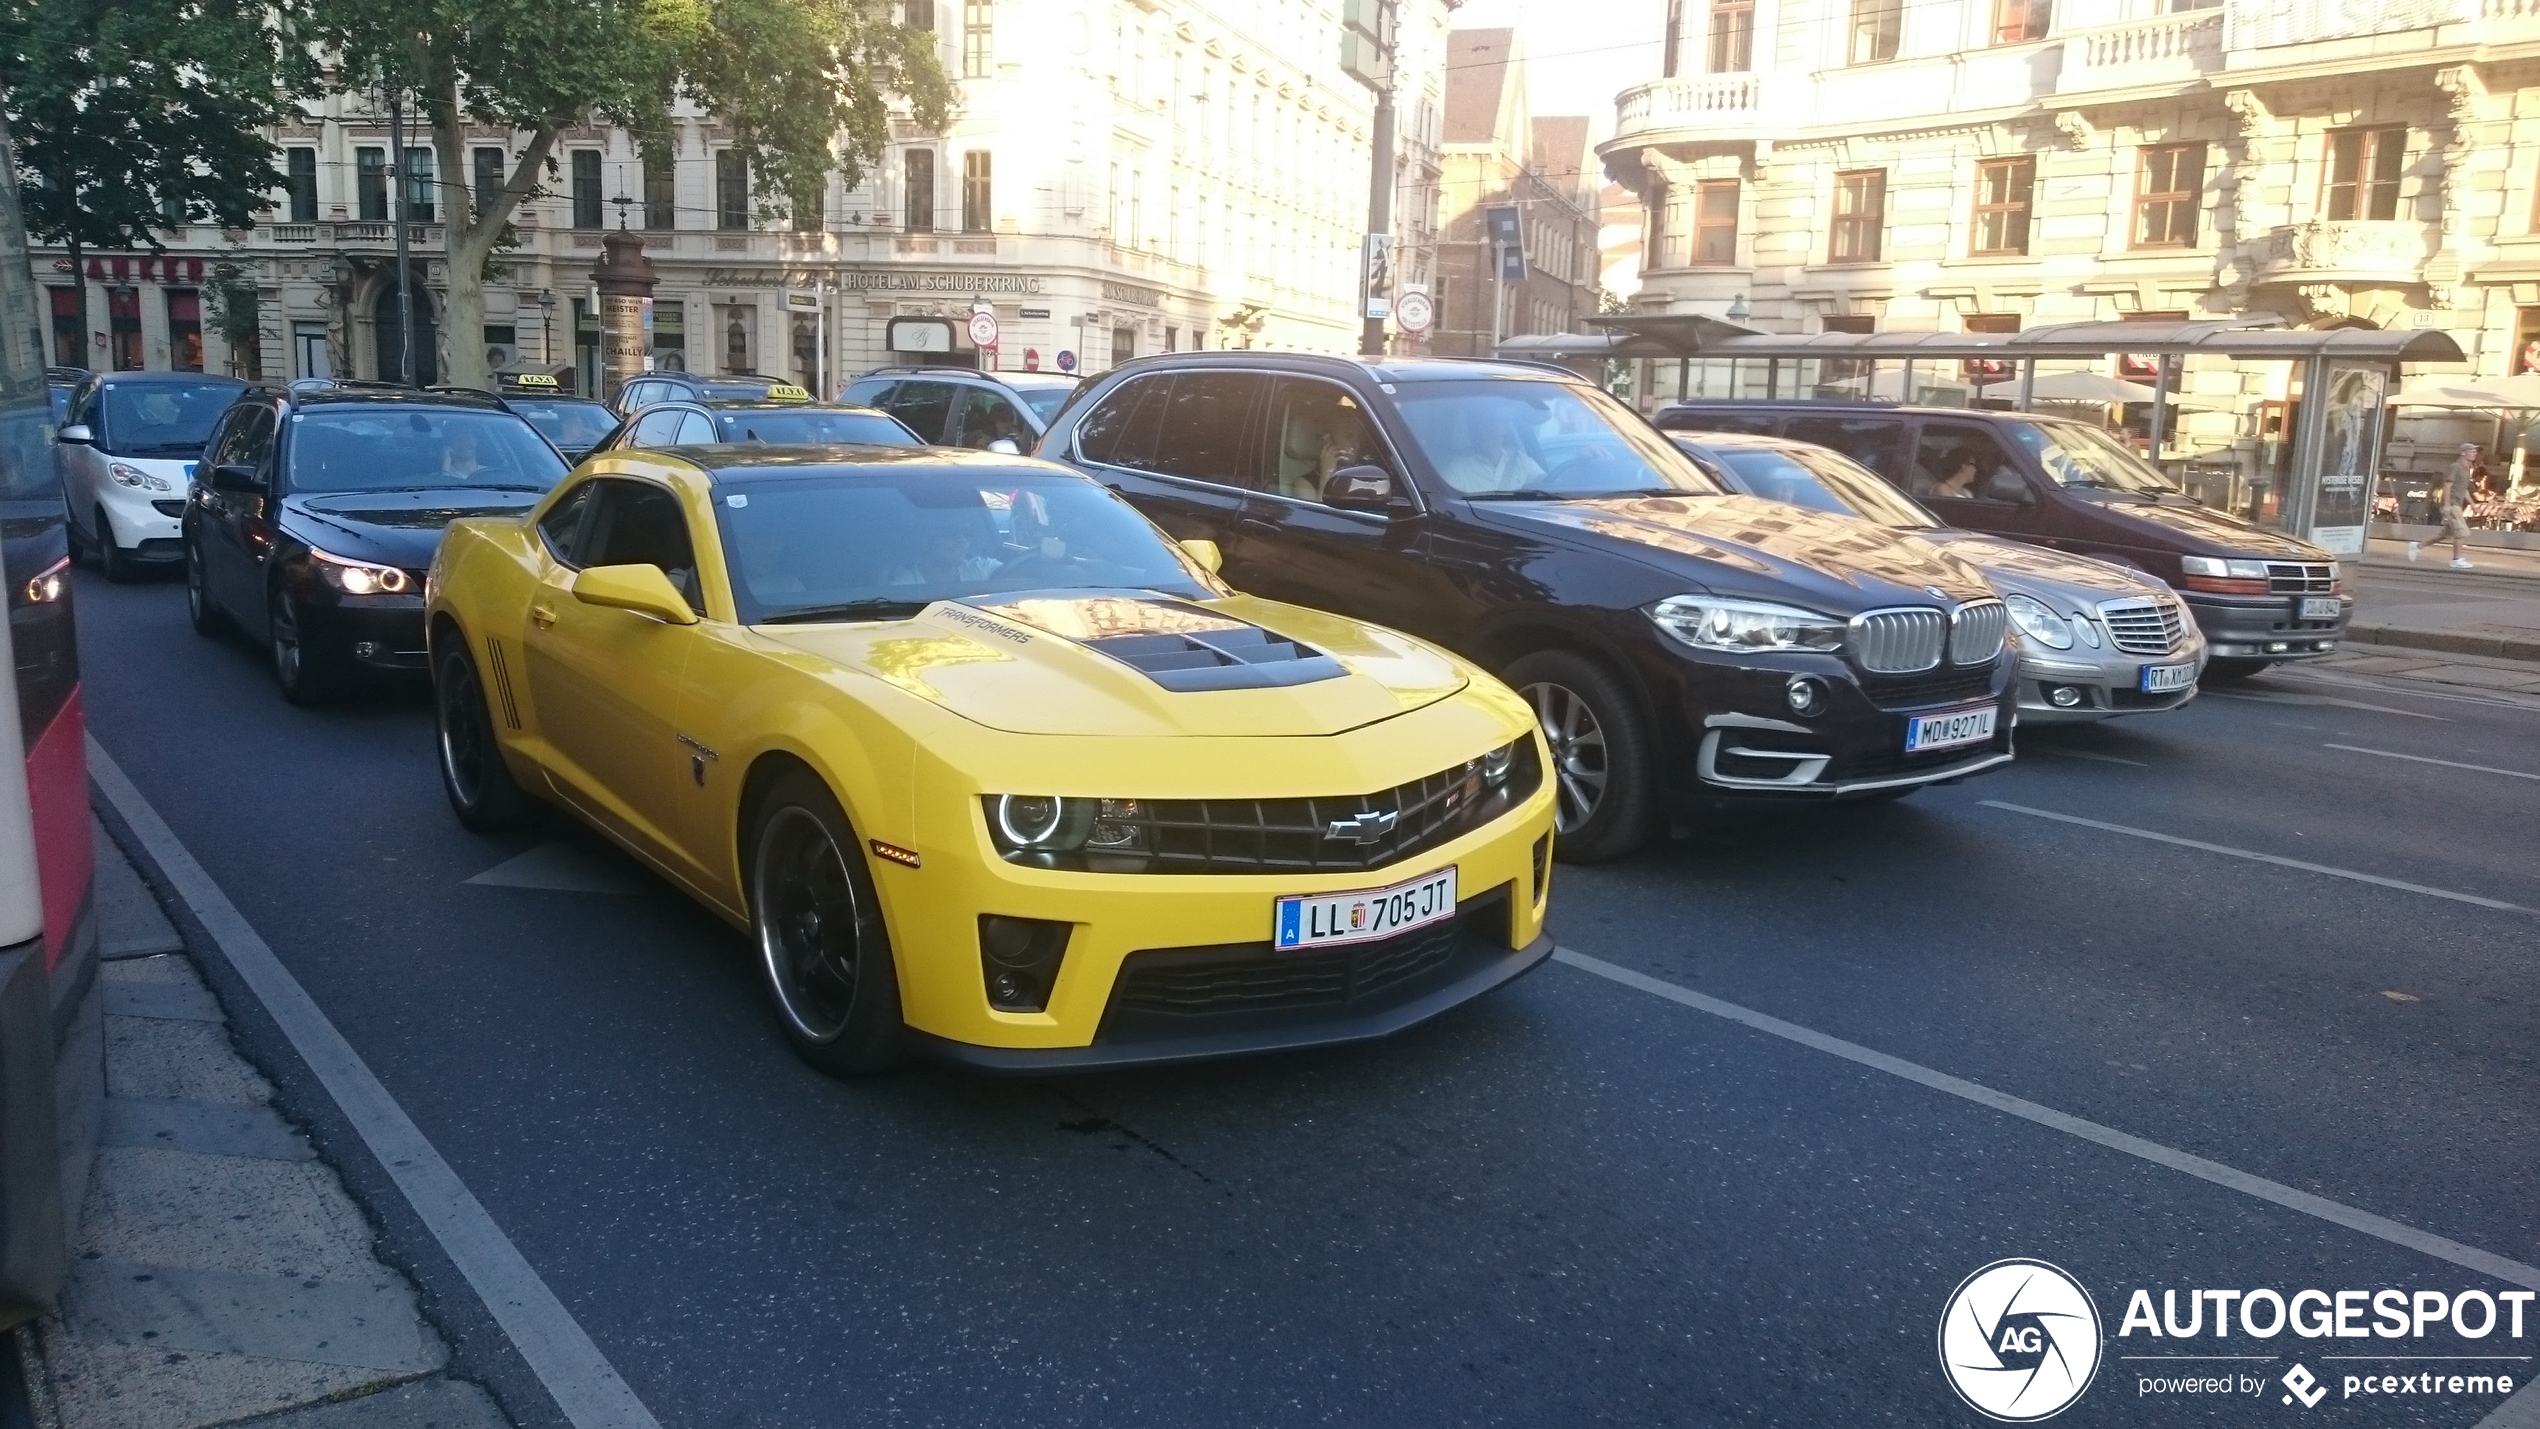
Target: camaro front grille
x=1160 y=987
x=2144 y=627
x=2301 y=578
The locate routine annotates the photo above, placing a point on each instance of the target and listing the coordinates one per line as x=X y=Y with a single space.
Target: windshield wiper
x=1583 y=495
x=876 y=608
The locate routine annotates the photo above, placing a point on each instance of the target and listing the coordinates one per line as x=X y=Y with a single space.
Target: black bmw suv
x=314 y=514
x=1680 y=644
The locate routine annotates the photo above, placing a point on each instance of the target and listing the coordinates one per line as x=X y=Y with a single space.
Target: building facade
x=1988 y=165
x=1117 y=177
x=1496 y=152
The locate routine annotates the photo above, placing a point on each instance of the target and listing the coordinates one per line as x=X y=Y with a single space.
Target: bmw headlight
x=1708 y=622
x=2039 y=623
x=359 y=577
x=136 y=478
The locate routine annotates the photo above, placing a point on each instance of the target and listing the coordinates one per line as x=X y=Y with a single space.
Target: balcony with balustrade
x=1692 y=109
x=2381 y=252
x=2162 y=53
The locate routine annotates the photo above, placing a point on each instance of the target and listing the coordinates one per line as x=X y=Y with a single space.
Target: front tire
x=818 y=928
x=207 y=618
x=2232 y=672
x=480 y=785
x=111 y=560
x=1604 y=774
x=308 y=676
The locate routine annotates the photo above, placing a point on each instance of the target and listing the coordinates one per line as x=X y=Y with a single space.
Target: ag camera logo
x=2019 y=1341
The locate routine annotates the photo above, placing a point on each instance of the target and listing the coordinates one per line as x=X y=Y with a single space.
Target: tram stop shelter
x=2316 y=460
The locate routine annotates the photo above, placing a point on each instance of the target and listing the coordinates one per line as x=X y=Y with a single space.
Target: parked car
x=1678 y=643
x=990 y=769
x=2258 y=595
x=59 y=385
x=125 y=452
x=2096 y=640
x=729 y=419
x=652 y=387
x=963 y=407
x=315 y=515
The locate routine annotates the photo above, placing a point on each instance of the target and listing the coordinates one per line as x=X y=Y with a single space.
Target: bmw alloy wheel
x=807 y=923
x=1578 y=752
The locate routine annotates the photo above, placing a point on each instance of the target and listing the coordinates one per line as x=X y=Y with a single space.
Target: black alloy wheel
x=818 y=926
x=111 y=560
x=207 y=618
x=2232 y=671
x=1603 y=780
x=308 y=675
x=480 y=786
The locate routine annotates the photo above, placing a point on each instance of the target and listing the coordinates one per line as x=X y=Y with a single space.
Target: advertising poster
x=2349 y=453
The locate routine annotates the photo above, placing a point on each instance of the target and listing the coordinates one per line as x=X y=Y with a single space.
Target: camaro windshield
x=1821 y=480
x=574 y=426
x=814 y=427
x=165 y=419
x=392 y=448
x=877 y=544
x=2075 y=455
x=1497 y=439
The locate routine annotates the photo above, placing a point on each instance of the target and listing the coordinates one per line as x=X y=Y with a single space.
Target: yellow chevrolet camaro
x=986 y=765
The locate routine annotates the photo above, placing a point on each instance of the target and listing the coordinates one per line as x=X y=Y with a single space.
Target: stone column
x=626 y=278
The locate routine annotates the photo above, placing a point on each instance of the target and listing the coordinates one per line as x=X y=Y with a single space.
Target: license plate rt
x=2322 y=607
x=2168 y=679
x=1323 y=920
x=1940 y=731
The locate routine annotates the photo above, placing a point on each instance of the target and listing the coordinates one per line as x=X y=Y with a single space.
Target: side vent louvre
x=502 y=672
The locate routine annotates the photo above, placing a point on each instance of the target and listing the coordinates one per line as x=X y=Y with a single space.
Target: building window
x=70 y=329
x=1981 y=371
x=420 y=188
x=731 y=190
x=586 y=188
x=661 y=193
x=2003 y=190
x=2526 y=356
x=2167 y=181
x=185 y=329
x=123 y=328
x=1860 y=216
x=978 y=38
x=2363 y=172
x=738 y=320
x=370 y=183
x=1673 y=41
x=1876 y=26
x=918 y=192
x=977 y=216
x=1715 y=221
x=489 y=174
x=920 y=14
x=809 y=204
x=2019 y=21
x=670 y=335
x=301 y=184
x=1732 y=36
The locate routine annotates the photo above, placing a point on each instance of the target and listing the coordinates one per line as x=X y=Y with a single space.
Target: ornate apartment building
x=1117 y=177
x=1949 y=165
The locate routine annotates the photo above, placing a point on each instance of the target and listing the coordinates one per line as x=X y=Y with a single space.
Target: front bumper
x=148 y=525
x=1731 y=734
x=2265 y=627
x=2097 y=685
x=381 y=632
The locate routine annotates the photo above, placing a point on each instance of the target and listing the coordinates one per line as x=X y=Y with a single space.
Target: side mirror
x=1363 y=488
x=2006 y=485
x=1206 y=553
x=77 y=434
x=645 y=590
x=236 y=480
x=1005 y=446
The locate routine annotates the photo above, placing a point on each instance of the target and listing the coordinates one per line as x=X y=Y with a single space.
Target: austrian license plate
x=1940 y=731
x=2168 y=679
x=1324 y=920
x=2322 y=607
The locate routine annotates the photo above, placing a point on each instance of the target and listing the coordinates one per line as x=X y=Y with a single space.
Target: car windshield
x=1820 y=480
x=397 y=448
x=163 y=418
x=882 y=544
x=2075 y=455
x=815 y=427
x=1524 y=439
x=573 y=425
x=1045 y=401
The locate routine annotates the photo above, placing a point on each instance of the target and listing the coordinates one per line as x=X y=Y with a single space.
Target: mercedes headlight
x=1708 y=622
x=136 y=478
x=2039 y=623
x=359 y=577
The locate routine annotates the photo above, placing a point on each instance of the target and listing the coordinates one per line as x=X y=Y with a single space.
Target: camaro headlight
x=1047 y=823
x=359 y=577
x=2039 y=623
x=1709 y=622
x=136 y=478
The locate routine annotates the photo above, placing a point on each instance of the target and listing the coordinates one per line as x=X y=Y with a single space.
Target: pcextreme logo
x=2019 y=1341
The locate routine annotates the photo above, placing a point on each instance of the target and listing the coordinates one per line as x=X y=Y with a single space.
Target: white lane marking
x=2251 y=854
x=2330 y=700
x=2086 y=754
x=2421 y=759
x=585 y=1385
x=2335 y=1212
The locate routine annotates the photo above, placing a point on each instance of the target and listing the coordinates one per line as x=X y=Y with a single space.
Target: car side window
x=695 y=430
x=222 y=448
x=561 y=527
x=638 y=524
x=868 y=393
x=83 y=404
x=1316 y=429
x=251 y=438
x=1960 y=462
x=1121 y=432
x=988 y=415
x=1871 y=441
x=657 y=429
x=926 y=407
x=1206 y=421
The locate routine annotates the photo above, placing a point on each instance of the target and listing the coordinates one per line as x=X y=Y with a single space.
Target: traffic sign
x=1066 y=360
x=1031 y=359
x=1413 y=312
x=983 y=328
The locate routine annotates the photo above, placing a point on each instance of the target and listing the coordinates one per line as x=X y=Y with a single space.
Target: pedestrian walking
x=2458 y=481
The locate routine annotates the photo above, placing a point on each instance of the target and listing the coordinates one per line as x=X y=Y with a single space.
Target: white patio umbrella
x=2093 y=387
x=2472 y=394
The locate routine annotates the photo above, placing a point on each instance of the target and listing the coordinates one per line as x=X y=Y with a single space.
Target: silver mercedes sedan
x=2096 y=640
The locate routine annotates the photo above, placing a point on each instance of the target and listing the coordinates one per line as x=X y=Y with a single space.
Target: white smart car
x=126 y=448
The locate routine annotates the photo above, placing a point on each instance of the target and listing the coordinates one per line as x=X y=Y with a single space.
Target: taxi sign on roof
x=787 y=392
x=532 y=379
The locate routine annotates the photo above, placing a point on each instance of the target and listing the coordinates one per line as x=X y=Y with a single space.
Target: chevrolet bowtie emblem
x=1367 y=828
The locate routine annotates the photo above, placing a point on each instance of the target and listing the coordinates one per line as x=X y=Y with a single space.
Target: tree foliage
x=805 y=87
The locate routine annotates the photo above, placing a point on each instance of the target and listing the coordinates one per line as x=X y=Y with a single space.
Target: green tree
x=134 y=116
x=230 y=298
x=805 y=86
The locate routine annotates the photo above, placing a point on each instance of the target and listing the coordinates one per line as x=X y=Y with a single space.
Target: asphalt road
x=1576 y=1202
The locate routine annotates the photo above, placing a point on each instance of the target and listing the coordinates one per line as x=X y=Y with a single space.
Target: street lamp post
x=397 y=215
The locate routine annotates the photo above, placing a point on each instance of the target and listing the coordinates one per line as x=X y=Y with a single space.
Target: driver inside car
x=1491 y=457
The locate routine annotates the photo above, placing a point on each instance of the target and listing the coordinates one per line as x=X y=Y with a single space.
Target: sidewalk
x=222 y=1275
x=2492 y=609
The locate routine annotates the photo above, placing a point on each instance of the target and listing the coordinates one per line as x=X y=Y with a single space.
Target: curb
x=2449 y=642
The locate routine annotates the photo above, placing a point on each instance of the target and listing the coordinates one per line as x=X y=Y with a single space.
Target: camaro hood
x=1747 y=546
x=2220 y=532
x=398 y=528
x=2041 y=570
x=1139 y=665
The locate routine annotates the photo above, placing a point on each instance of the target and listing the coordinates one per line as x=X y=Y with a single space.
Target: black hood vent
x=1182 y=647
